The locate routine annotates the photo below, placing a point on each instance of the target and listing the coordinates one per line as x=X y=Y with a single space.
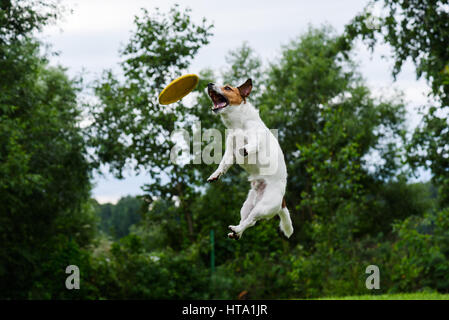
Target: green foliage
x=243 y=63
x=50 y=284
x=116 y=220
x=421 y=255
x=44 y=174
x=19 y=18
x=157 y=275
x=429 y=148
x=417 y=30
x=40 y=143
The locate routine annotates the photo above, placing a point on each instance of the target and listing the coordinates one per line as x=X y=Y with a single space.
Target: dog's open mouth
x=219 y=100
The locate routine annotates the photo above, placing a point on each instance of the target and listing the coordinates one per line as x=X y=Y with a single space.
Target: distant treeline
x=115 y=220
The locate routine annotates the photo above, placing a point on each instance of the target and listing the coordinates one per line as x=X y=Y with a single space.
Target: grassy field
x=399 y=296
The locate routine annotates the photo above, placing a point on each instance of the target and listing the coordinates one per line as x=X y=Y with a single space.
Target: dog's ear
x=245 y=89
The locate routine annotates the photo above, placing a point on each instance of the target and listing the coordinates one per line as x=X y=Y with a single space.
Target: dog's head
x=227 y=96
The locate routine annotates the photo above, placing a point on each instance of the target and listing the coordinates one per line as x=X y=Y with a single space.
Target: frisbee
x=178 y=88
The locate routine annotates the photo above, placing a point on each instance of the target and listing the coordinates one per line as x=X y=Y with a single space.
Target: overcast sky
x=88 y=41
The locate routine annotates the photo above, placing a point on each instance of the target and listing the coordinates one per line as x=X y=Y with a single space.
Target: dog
x=268 y=178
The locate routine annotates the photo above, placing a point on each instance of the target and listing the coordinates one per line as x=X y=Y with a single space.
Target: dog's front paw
x=214 y=177
x=243 y=152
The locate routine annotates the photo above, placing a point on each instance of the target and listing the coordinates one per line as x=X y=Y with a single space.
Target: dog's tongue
x=221 y=104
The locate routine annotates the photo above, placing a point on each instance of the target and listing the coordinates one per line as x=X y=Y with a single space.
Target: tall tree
x=130 y=126
x=44 y=174
x=329 y=126
x=417 y=30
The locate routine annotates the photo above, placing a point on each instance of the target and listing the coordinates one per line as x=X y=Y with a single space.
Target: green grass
x=399 y=296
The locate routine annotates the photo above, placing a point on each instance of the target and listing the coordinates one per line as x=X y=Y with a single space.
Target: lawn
x=399 y=296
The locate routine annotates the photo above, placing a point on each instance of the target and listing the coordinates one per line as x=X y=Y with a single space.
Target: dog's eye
x=227 y=88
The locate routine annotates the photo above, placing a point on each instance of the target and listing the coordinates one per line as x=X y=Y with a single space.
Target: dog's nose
x=210 y=85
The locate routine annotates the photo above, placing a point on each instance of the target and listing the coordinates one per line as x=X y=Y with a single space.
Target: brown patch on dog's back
x=232 y=94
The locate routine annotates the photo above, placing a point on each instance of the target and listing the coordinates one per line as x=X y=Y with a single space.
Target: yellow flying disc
x=178 y=88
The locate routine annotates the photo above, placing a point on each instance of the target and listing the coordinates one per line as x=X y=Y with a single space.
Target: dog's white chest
x=255 y=148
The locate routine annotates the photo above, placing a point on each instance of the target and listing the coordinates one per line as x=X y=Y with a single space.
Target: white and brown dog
x=259 y=154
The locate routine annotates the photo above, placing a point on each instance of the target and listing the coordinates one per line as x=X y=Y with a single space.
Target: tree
x=329 y=127
x=44 y=174
x=117 y=219
x=18 y=19
x=418 y=31
x=242 y=64
x=129 y=125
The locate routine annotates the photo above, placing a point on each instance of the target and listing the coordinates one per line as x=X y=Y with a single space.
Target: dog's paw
x=243 y=152
x=237 y=233
x=232 y=235
x=214 y=177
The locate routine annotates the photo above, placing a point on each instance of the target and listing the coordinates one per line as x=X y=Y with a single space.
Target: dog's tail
x=286 y=223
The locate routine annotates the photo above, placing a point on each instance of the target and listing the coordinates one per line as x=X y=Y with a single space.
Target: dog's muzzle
x=219 y=100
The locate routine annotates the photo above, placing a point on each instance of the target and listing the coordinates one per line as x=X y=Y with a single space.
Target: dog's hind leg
x=254 y=195
x=266 y=207
x=248 y=205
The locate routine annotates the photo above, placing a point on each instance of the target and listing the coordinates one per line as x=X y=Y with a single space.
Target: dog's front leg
x=227 y=160
x=248 y=149
x=252 y=142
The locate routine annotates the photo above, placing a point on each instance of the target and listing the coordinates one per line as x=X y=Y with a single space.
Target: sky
x=89 y=38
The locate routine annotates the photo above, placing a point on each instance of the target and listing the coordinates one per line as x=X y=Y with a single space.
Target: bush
x=141 y=274
x=420 y=257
